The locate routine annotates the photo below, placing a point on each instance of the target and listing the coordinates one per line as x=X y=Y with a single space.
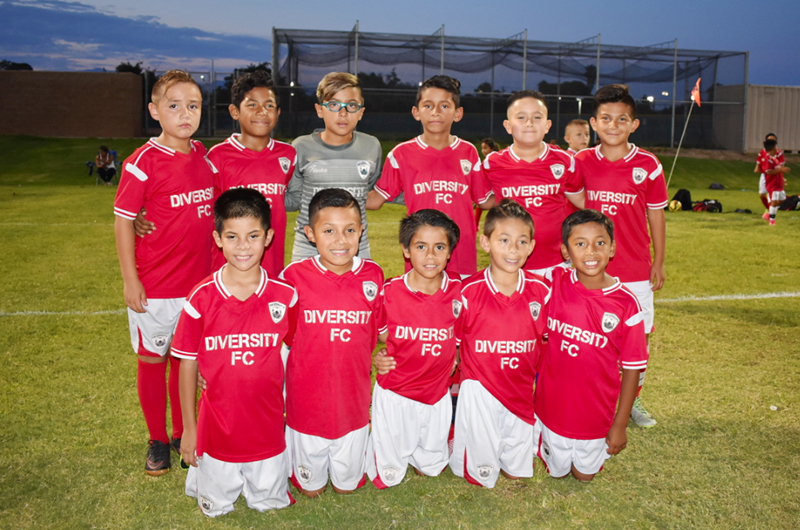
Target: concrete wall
x=773 y=109
x=71 y=104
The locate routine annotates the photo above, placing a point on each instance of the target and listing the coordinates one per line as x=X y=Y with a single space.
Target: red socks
x=764 y=201
x=153 y=398
x=175 y=398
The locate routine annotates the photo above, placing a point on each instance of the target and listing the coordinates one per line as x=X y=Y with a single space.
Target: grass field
x=72 y=439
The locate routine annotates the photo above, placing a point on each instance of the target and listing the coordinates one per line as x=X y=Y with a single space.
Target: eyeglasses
x=335 y=106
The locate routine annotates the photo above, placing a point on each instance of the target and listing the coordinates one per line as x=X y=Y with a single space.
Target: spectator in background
x=105 y=165
x=487 y=146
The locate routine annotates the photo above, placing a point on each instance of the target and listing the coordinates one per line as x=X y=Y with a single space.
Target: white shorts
x=217 y=484
x=405 y=432
x=778 y=196
x=314 y=458
x=762 y=184
x=151 y=332
x=559 y=454
x=489 y=437
x=644 y=293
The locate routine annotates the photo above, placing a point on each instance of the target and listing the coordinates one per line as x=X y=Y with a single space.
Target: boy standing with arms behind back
x=627 y=184
x=171 y=178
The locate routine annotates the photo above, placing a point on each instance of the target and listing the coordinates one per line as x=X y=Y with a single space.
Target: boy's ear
x=564 y=252
x=153 y=110
x=309 y=232
x=234 y=111
x=507 y=126
x=612 y=249
x=634 y=125
x=484 y=242
x=459 y=114
x=593 y=123
x=406 y=252
x=217 y=239
x=415 y=112
x=319 y=110
x=268 y=238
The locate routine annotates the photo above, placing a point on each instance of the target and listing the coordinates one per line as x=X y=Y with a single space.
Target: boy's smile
x=243 y=241
x=577 y=137
x=509 y=245
x=257 y=114
x=614 y=124
x=437 y=111
x=590 y=248
x=339 y=126
x=527 y=122
x=428 y=251
x=336 y=232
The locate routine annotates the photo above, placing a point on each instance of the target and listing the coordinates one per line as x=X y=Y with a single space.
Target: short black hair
x=773 y=135
x=582 y=217
x=445 y=82
x=411 y=224
x=614 y=94
x=491 y=143
x=249 y=81
x=769 y=145
x=522 y=94
x=331 y=198
x=241 y=202
x=507 y=209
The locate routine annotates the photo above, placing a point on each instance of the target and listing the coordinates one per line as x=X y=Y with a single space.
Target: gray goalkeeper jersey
x=354 y=167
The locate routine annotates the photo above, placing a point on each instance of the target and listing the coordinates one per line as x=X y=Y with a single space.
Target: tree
x=486 y=86
x=10 y=65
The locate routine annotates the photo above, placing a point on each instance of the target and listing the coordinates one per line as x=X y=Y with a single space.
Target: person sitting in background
x=105 y=165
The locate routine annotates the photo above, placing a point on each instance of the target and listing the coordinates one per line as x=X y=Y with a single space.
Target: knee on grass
x=311 y=494
x=583 y=477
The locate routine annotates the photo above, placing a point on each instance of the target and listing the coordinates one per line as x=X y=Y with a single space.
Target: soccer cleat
x=765 y=216
x=772 y=222
x=157 y=459
x=640 y=416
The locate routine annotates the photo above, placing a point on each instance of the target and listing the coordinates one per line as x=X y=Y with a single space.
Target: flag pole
x=695 y=99
x=685 y=126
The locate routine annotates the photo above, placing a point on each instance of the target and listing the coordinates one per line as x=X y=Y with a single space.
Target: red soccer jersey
x=422 y=338
x=775 y=182
x=589 y=333
x=449 y=180
x=540 y=187
x=501 y=338
x=328 y=369
x=237 y=346
x=178 y=190
x=267 y=171
x=624 y=190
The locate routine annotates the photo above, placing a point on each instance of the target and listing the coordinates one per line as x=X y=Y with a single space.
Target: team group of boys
x=284 y=355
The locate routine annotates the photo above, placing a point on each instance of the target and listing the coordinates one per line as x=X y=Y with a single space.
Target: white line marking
x=761 y=296
x=60 y=313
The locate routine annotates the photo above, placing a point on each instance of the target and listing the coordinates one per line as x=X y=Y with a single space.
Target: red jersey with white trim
x=328 y=370
x=449 y=180
x=177 y=190
x=422 y=338
x=267 y=171
x=501 y=338
x=624 y=190
x=590 y=332
x=775 y=182
x=540 y=187
x=237 y=346
x=762 y=155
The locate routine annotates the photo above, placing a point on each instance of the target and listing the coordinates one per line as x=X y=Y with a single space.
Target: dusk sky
x=92 y=34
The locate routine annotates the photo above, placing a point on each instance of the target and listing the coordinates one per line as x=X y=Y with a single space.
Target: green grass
x=72 y=439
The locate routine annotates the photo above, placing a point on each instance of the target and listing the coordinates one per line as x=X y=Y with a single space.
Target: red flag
x=696 y=92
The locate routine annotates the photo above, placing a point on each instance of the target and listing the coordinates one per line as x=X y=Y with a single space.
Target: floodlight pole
x=355 y=62
x=525 y=59
x=744 y=103
x=441 y=64
x=674 y=89
x=275 y=45
x=597 y=74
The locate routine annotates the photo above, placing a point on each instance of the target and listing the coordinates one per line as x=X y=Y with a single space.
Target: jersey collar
x=442 y=288
x=493 y=288
x=542 y=156
x=573 y=276
x=423 y=145
x=626 y=158
x=235 y=142
x=262 y=284
x=357 y=264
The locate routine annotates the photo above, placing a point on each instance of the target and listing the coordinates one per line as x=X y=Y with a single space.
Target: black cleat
x=157 y=459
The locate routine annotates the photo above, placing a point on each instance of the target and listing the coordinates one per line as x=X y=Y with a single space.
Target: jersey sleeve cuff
x=192 y=356
x=119 y=212
x=485 y=198
x=574 y=192
x=634 y=365
x=658 y=206
x=384 y=194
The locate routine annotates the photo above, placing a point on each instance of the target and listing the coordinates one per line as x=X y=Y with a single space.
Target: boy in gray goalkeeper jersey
x=334 y=157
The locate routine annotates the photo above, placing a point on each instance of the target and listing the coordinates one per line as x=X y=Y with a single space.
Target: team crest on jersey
x=159 y=341
x=610 y=321
x=457 y=308
x=370 y=290
x=639 y=175
x=206 y=503
x=535 y=308
x=485 y=471
x=557 y=170
x=390 y=473
x=466 y=166
x=303 y=473
x=363 y=169
x=276 y=311
x=285 y=164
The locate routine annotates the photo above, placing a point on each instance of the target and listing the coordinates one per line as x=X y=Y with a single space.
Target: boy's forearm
x=374 y=200
x=126 y=248
x=658 y=232
x=577 y=199
x=187 y=389
x=627 y=393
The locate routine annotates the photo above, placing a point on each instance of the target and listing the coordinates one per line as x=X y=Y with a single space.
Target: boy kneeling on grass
x=594 y=326
x=232 y=328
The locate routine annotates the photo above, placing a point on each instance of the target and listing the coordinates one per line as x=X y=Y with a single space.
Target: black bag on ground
x=708 y=205
x=791 y=203
x=684 y=197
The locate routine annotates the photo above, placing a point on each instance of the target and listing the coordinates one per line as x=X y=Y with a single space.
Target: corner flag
x=696 y=92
